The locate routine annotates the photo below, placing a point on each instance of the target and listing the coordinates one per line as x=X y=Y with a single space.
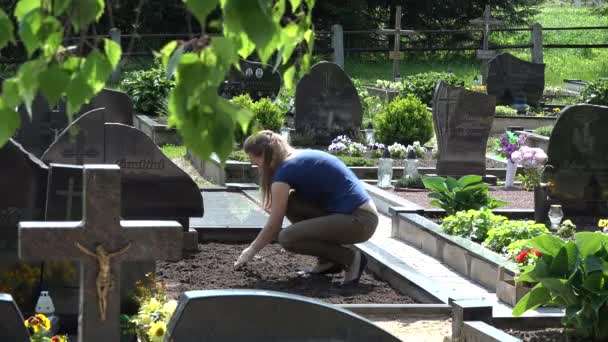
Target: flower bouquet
x=376 y=149
x=533 y=161
x=39 y=325
x=506 y=144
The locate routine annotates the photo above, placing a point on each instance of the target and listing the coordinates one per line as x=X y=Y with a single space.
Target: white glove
x=246 y=255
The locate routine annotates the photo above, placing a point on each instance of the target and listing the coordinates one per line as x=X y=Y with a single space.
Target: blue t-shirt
x=323 y=178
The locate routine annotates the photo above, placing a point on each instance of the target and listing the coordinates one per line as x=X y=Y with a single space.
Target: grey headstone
x=23 y=185
x=11 y=321
x=251 y=315
x=256 y=79
x=37 y=133
x=100 y=232
x=510 y=77
x=327 y=104
x=578 y=154
x=463 y=120
x=153 y=186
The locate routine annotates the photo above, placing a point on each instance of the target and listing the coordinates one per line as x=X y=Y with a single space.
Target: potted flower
x=533 y=160
x=508 y=289
x=506 y=144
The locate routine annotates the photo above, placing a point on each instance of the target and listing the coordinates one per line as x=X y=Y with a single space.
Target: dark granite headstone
x=101 y=241
x=153 y=186
x=256 y=79
x=23 y=185
x=463 y=120
x=251 y=315
x=578 y=154
x=327 y=104
x=11 y=321
x=510 y=77
x=37 y=133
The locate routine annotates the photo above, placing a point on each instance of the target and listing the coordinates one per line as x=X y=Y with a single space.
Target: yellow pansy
x=157 y=331
x=603 y=223
x=169 y=307
x=38 y=322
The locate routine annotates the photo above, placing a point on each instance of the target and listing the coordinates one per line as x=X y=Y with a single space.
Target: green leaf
x=113 y=52
x=86 y=12
x=565 y=261
x=50 y=35
x=10 y=122
x=589 y=243
x=24 y=7
x=53 y=82
x=60 y=6
x=288 y=76
x=595 y=282
x=547 y=244
x=28 y=31
x=97 y=70
x=28 y=81
x=289 y=39
x=78 y=92
x=434 y=183
x=10 y=92
x=535 y=298
x=470 y=180
x=201 y=8
x=295 y=4
x=174 y=61
x=167 y=51
x=246 y=45
x=594 y=264
x=6 y=30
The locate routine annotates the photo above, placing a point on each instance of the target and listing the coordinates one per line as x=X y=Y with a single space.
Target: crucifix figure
x=396 y=55
x=486 y=22
x=100 y=230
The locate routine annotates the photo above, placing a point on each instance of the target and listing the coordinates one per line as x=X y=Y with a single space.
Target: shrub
x=244 y=101
x=413 y=182
x=499 y=238
x=147 y=89
x=404 y=120
x=595 y=93
x=423 y=85
x=571 y=275
x=544 y=130
x=356 y=161
x=505 y=110
x=468 y=192
x=268 y=115
x=238 y=156
x=472 y=224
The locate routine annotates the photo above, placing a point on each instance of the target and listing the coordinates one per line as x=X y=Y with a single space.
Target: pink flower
x=516 y=157
x=541 y=157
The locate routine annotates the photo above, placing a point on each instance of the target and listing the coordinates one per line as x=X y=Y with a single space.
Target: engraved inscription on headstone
x=463 y=120
x=510 y=78
x=256 y=79
x=327 y=104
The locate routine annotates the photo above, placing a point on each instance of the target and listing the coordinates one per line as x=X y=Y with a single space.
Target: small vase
x=511 y=170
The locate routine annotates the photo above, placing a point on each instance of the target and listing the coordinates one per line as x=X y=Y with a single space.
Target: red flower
x=521 y=257
x=537 y=252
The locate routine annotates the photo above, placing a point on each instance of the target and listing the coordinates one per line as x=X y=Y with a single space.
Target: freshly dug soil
x=516 y=198
x=545 y=335
x=212 y=268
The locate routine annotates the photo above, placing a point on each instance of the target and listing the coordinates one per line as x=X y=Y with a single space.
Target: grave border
x=160 y=134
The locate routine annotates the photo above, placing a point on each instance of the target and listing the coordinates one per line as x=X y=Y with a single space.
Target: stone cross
x=78 y=152
x=101 y=242
x=70 y=194
x=486 y=22
x=396 y=55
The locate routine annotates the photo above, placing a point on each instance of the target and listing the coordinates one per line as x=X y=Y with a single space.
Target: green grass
x=173 y=151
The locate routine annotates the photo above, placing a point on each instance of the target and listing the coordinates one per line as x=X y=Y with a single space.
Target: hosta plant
x=572 y=275
x=472 y=224
x=468 y=192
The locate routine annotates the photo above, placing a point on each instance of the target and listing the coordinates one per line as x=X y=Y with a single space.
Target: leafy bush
x=268 y=115
x=544 y=130
x=147 y=88
x=414 y=182
x=472 y=224
x=238 y=156
x=571 y=275
x=468 y=192
x=499 y=238
x=244 y=101
x=595 y=93
x=423 y=85
x=505 y=110
x=404 y=120
x=356 y=161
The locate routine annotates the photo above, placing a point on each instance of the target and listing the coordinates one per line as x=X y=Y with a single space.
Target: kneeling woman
x=326 y=203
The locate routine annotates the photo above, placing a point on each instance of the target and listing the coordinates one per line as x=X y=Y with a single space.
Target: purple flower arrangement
x=508 y=143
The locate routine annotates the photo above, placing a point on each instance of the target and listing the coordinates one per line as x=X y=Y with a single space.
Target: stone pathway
x=407 y=258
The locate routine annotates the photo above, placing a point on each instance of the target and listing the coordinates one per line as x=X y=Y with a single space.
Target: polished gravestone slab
x=511 y=79
x=256 y=79
x=11 y=321
x=229 y=209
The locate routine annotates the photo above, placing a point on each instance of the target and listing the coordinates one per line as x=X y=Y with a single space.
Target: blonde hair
x=273 y=149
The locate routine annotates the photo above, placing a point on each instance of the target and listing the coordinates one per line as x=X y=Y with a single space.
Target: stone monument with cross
x=396 y=55
x=487 y=22
x=101 y=241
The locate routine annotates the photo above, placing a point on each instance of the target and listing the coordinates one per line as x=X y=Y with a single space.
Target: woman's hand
x=246 y=255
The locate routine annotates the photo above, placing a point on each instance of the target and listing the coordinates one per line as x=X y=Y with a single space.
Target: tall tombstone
x=11 y=321
x=256 y=79
x=511 y=79
x=23 y=183
x=39 y=131
x=463 y=120
x=327 y=104
x=212 y=315
x=578 y=159
x=153 y=186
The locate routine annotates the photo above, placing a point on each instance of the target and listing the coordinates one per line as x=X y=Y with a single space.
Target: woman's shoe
x=355 y=270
